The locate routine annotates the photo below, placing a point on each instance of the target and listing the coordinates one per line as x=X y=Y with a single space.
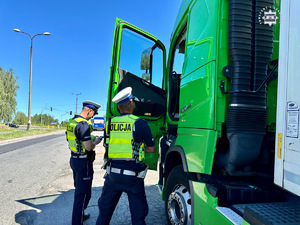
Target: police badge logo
x=268 y=16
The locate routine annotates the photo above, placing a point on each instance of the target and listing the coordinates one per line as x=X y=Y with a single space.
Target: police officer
x=81 y=144
x=129 y=138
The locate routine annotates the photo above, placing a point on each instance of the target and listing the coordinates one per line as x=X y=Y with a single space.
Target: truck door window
x=178 y=56
x=141 y=66
x=141 y=57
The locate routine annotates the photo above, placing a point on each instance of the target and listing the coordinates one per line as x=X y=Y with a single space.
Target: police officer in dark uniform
x=129 y=138
x=82 y=144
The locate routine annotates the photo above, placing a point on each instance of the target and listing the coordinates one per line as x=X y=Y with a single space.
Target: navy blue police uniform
x=117 y=183
x=82 y=174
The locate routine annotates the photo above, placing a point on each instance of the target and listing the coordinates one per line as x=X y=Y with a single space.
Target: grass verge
x=15 y=133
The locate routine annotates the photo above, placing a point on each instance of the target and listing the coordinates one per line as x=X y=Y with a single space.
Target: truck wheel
x=178 y=198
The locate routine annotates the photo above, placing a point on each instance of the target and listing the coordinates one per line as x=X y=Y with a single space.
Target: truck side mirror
x=145 y=60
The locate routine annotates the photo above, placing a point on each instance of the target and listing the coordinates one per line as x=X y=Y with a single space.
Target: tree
x=8 y=93
x=20 y=118
x=46 y=119
x=64 y=123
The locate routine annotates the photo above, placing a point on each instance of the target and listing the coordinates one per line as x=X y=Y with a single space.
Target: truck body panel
x=287 y=161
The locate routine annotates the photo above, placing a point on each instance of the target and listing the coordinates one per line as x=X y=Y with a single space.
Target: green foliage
x=20 y=118
x=8 y=93
x=45 y=118
x=64 y=123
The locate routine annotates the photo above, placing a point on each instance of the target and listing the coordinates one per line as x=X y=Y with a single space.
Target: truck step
x=276 y=213
x=232 y=216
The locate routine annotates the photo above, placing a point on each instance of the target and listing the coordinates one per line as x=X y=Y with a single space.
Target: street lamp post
x=30 y=73
x=76 y=100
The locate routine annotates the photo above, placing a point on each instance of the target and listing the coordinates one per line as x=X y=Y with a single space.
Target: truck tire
x=178 y=198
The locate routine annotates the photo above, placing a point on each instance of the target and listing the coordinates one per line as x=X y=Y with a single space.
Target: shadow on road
x=25 y=217
x=50 y=209
x=57 y=209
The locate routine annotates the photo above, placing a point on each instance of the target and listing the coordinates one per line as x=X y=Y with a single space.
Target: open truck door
x=138 y=61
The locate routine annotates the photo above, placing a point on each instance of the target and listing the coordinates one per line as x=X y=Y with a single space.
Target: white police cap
x=91 y=104
x=123 y=96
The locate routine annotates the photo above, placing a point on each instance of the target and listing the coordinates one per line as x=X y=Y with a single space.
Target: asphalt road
x=37 y=186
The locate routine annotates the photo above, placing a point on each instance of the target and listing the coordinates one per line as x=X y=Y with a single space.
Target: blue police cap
x=92 y=105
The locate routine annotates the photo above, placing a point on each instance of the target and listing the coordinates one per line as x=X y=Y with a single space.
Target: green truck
x=222 y=108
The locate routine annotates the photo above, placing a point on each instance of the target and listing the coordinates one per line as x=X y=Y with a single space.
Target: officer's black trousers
x=112 y=190
x=83 y=177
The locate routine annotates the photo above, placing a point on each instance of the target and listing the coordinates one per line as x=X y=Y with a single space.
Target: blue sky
x=76 y=57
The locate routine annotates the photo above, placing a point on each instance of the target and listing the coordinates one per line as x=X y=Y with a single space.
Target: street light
x=42 y=114
x=30 y=73
x=61 y=117
x=76 y=100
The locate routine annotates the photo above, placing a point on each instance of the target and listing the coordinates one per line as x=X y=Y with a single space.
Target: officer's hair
x=125 y=106
x=85 y=108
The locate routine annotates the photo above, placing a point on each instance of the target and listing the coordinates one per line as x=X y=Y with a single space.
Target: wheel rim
x=179 y=206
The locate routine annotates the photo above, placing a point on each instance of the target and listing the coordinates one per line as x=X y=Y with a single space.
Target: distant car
x=12 y=125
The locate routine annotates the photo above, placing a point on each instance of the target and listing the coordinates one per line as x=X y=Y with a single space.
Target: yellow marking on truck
x=279 y=146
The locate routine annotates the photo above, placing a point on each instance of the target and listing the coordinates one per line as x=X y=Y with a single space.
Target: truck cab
x=222 y=108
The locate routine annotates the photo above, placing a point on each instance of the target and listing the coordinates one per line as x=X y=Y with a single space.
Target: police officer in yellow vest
x=82 y=144
x=129 y=137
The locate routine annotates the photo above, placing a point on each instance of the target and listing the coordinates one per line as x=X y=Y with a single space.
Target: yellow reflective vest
x=74 y=144
x=121 y=143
